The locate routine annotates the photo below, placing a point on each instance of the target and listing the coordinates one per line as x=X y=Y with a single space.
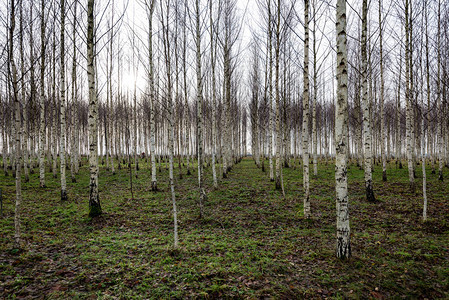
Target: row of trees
x=194 y=104
x=157 y=121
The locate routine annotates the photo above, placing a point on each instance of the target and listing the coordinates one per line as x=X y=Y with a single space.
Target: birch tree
x=366 y=109
x=75 y=125
x=341 y=148
x=63 y=106
x=439 y=105
x=213 y=56
x=199 y=99
x=305 y=116
x=53 y=127
x=254 y=105
x=382 y=105
x=186 y=103
x=42 y=101
x=150 y=9
x=94 y=199
x=315 y=93
x=23 y=99
x=33 y=89
x=398 y=114
x=409 y=108
x=17 y=124
x=110 y=94
x=227 y=43
x=170 y=109
x=270 y=88
x=277 y=47
x=424 y=116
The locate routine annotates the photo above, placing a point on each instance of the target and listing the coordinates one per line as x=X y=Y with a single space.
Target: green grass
x=251 y=243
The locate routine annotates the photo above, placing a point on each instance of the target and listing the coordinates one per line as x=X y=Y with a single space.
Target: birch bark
x=152 y=97
x=382 y=113
x=440 y=108
x=278 y=100
x=305 y=116
x=62 y=153
x=165 y=33
x=341 y=177
x=366 y=109
x=94 y=200
x=42 y=101
x=17 y=126
x=23 y=99
x=74 y=154
x=214 y=96
x=199 y=99
x=409 y=108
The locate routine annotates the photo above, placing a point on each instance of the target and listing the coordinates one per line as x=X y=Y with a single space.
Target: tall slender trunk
x=398 y=115
x=366 y=109
x=107 y=106
x=165 y=33
x=18 y=129
x=315 y=92
x=414 y=124
x=214 y=96
x=186 y=104
x=136 y=157
x=424 y=119
x=134 y=112
x=42 y=101
x=429 y=131
x=33 y=92
x=63 y=115
x=152 y=98
x=440 y=108
x=94 y=200
x=199 y=99
x=305 y=114
x=53 y=130
x=266 y=105
x=278 y=96
x=4 y=142
x=110 y=99
x=254 y=107
x=270 y=93
x=73 y=148
x=227 y=158
x=23 y=99
x=382 y=113
x=341 y=147
x=409 y=108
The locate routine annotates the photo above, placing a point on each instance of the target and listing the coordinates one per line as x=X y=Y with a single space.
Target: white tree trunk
x=382 y=113
x=24 y=101
x=94 y=200
x=440 y=107
x=315 y=96
x=366 y=110
x=42 y=101
x=152 y=98
x=170 y=111
x=409 y=108
x=17 y=126
x=278 y=100
x=270 y=94
x=305 y=114
x=341 y=148
x=73 y=148
x=199 y=99
x=62 y=103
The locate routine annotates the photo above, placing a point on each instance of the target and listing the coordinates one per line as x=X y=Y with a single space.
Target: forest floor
x=251 y=243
